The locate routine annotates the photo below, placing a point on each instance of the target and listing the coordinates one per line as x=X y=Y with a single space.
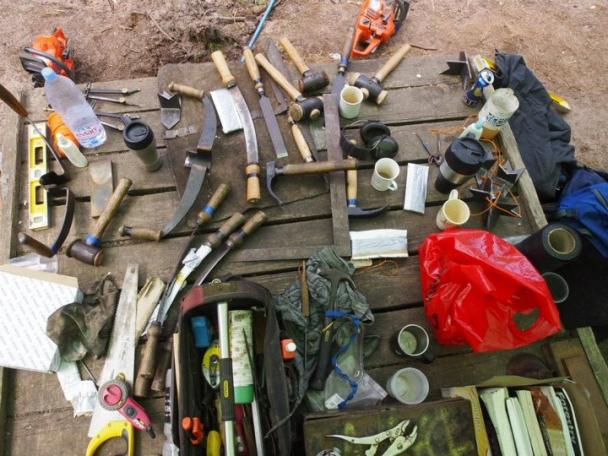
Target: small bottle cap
x=291 y=347
x=48 y=74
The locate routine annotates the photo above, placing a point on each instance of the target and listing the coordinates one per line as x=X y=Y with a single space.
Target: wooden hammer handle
x=252 y=67
x=294 y=55
x=275 y=74
x=392 y=63
x=222 y=66
x=351 y=186
x=112 y=207
x=348 y=47
x=320 y=167
x=252 y=171
x=186 y=90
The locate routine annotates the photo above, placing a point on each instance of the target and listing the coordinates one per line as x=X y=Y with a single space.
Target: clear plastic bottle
x=65 y=98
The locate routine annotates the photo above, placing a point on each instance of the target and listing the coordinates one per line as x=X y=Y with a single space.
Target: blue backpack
x=584 y=205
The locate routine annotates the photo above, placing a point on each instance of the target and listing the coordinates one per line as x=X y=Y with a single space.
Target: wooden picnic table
x=38 y=418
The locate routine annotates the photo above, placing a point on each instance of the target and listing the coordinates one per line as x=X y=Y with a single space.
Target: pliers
x=399 y=441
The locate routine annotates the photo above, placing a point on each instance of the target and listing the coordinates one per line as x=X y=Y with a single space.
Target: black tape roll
x=552 y=247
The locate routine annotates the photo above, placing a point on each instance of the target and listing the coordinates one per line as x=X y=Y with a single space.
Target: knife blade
x=267 y=111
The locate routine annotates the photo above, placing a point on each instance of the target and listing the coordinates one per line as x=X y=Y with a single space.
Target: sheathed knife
x=252 y=170
x=267 y=111
x=231 y=243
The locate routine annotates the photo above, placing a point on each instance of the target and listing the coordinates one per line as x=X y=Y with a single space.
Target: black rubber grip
x=323 y=367
x=226 y=390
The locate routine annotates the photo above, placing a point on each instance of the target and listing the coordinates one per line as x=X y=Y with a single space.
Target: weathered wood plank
x=146 y=99
x=10 y=186
x=56 y=432
x=458 y=370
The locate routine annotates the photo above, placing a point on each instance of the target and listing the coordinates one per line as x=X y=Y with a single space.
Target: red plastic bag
x=478 y=288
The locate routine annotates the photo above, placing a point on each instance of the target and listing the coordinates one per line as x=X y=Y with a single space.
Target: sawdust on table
x=564 y=42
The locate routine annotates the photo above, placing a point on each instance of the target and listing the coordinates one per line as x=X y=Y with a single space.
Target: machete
x=199 y=163
x=269 y=118
x=231 y=243
x=252 y=170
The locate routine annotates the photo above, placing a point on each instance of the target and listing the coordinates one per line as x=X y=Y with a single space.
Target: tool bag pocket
x=196 y=412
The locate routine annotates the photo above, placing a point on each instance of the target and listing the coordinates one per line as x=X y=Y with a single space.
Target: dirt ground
x=563 y=41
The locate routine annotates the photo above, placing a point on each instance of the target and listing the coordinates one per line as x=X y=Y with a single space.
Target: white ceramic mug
x=351 y=98
x=409 y=386
x=385 y=173
x=454 y=212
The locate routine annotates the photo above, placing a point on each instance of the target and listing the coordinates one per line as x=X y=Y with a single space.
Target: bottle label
x=89 y=132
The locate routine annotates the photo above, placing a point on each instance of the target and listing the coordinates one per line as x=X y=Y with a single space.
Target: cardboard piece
x=27 y=298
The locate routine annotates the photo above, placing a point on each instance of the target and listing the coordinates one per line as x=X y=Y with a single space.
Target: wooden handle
x=392 y=63
x=186 y=90
x=300 y=141
x=294 y=55
x=162 y=364
x=252 y=67
x=221 y=65
x=249 y=227
x=214 y=202
x=112 y=207
x=12 y=101
x=147 y=365
x=252 y=172
x=35 y=245
x=348 y=46
x=320 y=167
x=140 y=233
x=234 y=222
x=275 y=74
x=351 y=186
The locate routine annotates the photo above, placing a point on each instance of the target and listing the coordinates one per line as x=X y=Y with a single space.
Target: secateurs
x=399 y=441
x=115 y=395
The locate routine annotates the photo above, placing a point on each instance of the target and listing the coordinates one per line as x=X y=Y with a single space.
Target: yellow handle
x=275 y=74
x=392 y=63
x=214 y=443
x=252 y=171
x=298 y=137
x=221 y=65
x=186 y=90
x=293 y=54
x=113 y=430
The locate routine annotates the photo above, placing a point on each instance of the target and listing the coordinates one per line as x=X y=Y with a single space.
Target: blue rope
x=343 y=349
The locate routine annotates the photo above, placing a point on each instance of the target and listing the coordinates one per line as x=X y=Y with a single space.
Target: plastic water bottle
x=67 y=99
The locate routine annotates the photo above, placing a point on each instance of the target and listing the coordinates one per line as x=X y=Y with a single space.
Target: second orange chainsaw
x=378 y=21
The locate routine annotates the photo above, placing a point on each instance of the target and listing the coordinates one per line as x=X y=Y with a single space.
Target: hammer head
x=313 y=81
x=355 y=211
x=86 y=253
x=306 y=108
x=371 y=87
x=271 y=172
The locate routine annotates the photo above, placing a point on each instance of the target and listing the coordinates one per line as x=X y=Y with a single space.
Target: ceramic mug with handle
x=385 y=174
x=453 y=213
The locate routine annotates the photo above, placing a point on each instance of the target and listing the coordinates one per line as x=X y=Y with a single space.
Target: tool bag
x=195 y=397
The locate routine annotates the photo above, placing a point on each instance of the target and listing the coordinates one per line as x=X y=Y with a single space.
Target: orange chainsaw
x=378 y=21
x=52 y=51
